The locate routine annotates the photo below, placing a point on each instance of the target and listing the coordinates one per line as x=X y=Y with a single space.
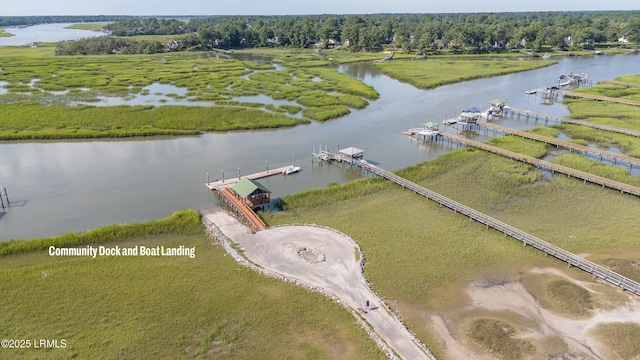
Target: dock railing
x=572 y=259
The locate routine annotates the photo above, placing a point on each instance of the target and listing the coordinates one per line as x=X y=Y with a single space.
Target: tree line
x=416 y=33
x=6 y=21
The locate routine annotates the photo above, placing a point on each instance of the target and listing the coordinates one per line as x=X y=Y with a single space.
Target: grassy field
x=423 y=260
x=430 y=74
x=165 y=307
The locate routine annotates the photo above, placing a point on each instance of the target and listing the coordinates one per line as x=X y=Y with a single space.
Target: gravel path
x=325 y=259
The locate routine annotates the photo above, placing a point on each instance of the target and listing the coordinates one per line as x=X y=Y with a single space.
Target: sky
x=297 y=7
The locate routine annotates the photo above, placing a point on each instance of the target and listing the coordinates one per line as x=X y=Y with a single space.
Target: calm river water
x=62 y=186
x=44 y=33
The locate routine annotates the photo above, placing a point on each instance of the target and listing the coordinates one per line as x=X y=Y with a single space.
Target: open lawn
x=165 y=307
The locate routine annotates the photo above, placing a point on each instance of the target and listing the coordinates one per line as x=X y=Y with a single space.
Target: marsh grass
x=621 y=339
x=430 y=74
x=3 y=33
x=168 y=307
x=498 y=338
x=27 y=120
x=88 y=26
x=205 y=78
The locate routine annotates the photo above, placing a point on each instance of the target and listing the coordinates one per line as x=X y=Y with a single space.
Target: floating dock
x=222 y=183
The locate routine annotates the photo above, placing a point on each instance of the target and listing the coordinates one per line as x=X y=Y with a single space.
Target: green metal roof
x=245 y=187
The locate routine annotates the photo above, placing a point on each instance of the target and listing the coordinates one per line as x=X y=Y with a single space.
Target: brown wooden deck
x=244 y=210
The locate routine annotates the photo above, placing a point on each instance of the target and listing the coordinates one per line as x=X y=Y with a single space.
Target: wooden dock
x=572 y=94
x=598 y=271
x=542 y=164
x=630 y=160
x=513 y=112
x=243 y=209
x=221 y=183
x=614 y=82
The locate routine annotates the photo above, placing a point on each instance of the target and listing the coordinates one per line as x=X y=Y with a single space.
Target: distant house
x=623 y=39
x=568 y=41
x=252 y=192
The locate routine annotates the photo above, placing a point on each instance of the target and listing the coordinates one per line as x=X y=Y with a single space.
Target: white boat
x=291 y=170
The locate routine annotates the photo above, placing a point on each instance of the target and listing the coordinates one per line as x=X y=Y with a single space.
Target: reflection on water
x=78 y=185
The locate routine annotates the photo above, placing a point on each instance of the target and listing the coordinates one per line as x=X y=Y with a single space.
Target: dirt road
x=326 y=259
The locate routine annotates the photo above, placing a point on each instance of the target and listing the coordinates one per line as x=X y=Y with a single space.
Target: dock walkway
x=594 y=179
x=514 y=112
x=572 y=259
x=220 y=183
x=630 y=160
x=614 y=82
x=572 y=94
x=254 y=221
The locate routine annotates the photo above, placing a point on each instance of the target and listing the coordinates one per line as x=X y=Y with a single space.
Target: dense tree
x=418 y=33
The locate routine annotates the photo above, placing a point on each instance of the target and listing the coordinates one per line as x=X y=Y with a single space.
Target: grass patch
x=621 y=339
x=613 y=172
x=88 y=26
x=626 y=267
x=168 y=307
x=430 y=74
x=3 y=33
x=560 y=295
x=498 y=338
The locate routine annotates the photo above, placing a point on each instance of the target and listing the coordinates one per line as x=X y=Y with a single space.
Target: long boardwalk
x=514 y=112
x=612 y=184
x=630 y=160
x=573 y=94
x=613 y=82
x=572 y=259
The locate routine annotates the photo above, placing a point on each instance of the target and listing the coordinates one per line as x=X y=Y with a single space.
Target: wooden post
x=238 y=173
x=223 y=176
x=267 y=166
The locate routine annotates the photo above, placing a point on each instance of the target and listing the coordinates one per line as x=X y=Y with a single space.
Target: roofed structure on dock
x=252 y=192
x=352 y=152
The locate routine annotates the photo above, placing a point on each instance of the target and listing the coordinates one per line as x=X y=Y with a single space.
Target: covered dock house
x=252 y=193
